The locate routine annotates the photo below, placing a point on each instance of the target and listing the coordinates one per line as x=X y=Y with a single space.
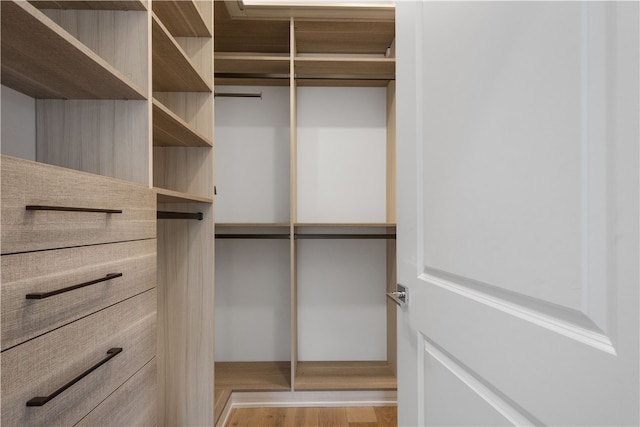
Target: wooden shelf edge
x=22 y=24
x=175 y=131
x=345 y=375
x=180 y=12
x=252 y=224
x=345 y=224
x=126 y=5
x=170 y=196
x=163 y=42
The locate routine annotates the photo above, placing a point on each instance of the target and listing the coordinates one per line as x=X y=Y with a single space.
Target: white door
x=518 y=138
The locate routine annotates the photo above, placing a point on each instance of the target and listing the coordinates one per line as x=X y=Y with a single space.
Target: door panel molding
x=564 y=321
x=497 y=400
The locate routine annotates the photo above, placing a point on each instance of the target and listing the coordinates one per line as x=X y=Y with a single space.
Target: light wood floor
x=362 y=416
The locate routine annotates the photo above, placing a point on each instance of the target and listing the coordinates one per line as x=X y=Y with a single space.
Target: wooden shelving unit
x=320 y=54
x=173 y=70
x=42 y=60
x=170 y=130
x=90 y=5
x=182 y=18
x=170 y=196
x=358 y=375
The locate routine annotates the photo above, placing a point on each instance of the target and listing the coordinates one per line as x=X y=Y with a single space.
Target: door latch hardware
x=401 y=296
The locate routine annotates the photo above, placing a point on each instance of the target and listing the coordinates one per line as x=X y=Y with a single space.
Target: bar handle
x=41 y=400
x=70 y=209
x=42 y=295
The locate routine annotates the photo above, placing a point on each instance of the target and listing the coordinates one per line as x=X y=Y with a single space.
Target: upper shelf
x=170 y=196
x=169 y=130
x=42 y=60
x=173 y=71
x=181 y=18
x=90 y=5
x=252 y=64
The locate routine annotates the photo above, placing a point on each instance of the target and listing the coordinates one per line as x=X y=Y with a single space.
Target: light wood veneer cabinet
x=123 y=99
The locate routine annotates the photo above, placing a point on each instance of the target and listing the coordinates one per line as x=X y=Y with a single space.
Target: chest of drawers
x=78 y=298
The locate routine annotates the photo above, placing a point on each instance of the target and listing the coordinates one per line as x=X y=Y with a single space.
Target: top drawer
x=26 y=183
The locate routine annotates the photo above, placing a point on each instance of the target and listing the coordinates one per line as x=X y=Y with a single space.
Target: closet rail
x=179 y=215
x=238 y=95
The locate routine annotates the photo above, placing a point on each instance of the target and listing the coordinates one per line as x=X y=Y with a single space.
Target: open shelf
x=90 y=5
x=170 y=196
x=358 y=375
x=169 y=130
x=344 y=224
x=182 y=18
x=251 y=64
x=253 y=376
x=356 y=67
x=173 y=71
x=251 y=224
x=42 y=60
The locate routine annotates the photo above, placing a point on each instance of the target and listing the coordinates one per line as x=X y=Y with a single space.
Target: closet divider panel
x=185 y=317
x=293 y=200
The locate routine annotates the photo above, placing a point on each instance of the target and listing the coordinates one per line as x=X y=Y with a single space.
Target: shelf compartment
x=170 y=130
x=42 y=60
x=91 y=5
x=251 y=64
x=383 y=68
x=170 y=196
x=253 y=376
x=356 y=375
x=181 y=18
x=173 y=71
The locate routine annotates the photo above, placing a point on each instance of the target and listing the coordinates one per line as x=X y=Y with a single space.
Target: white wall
x=341 y=154
x=18 y=124
x=252 y=304
x=341 y=300
x=252 y=155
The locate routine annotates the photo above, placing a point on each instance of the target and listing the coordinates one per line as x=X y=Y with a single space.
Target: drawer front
x=37 y=185
x=132 y=404
x=42 y=272
x=46 y=364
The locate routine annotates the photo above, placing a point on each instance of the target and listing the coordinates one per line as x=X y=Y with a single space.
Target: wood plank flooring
x=360 y=416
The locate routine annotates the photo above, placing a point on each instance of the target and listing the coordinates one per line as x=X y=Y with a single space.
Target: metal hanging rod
x=70 y=209
x=238 y=95
x=252 y=236
x=300 y=77
x=179 y=215
x=344 y=236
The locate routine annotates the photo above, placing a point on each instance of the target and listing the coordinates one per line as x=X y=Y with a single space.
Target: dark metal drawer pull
x=41 y=400
x=70 y=209
x=41 y=295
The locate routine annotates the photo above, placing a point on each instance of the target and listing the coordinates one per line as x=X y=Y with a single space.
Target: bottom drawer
x=44 y=365
x=132 y=404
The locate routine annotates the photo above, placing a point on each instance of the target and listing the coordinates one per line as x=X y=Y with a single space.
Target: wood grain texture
x=42 y=60
x=40 y=366
x=118 y=37
x=169 y=129
x=185 y=318
x=29 y=183
x=357 y=416
x=262 y=64
x=173 y=70
x=200 y=53
x=242 y=81
x=293 y=203
x=170 y=196
x=90 y=5
x=360 y=375
x=187 y=170
x=254 y=376
x=348 y=82
x=46 y=271
x=132 y=404
x=358 y=67
x=182 y=18
x=195 y=109
x=345 y=36
x=109 y=138
x=391 y=152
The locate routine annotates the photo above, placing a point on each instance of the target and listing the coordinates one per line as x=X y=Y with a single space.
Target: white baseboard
x=254 y=399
